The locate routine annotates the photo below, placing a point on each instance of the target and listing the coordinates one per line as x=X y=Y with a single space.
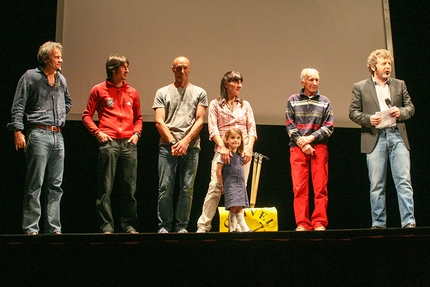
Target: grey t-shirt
x=180 y=105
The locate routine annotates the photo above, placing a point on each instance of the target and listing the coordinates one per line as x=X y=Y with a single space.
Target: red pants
x=301 y=165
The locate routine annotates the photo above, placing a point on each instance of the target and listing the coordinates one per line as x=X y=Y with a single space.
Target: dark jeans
x=110 y=154
x=167 y=166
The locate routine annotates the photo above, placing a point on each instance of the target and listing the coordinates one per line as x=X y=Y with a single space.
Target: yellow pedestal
x=258 y=219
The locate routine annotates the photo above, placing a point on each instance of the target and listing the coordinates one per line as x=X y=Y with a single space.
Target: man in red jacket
x=118 y=131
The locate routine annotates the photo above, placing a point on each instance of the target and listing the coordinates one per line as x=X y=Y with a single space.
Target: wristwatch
x=172 y=142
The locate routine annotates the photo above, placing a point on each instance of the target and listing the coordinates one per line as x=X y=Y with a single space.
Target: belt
x=395 y=128
x=48 y=128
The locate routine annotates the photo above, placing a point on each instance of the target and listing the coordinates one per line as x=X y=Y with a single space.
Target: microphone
x=388 y=102
x=55 y=68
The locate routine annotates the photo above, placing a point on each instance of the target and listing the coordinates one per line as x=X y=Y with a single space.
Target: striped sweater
x=309 y=116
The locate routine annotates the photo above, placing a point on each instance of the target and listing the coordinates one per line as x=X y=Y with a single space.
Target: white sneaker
x=182 y=230
x=201 y=230
x=163 y=230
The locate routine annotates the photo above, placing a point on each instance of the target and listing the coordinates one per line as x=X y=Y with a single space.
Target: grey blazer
x=364 y=103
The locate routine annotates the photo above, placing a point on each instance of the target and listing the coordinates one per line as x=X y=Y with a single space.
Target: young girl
x=232 y=181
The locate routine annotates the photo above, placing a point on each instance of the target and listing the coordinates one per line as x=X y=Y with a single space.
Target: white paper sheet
x=387 y=121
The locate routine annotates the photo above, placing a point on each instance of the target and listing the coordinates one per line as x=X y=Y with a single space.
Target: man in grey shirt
x=180 y=110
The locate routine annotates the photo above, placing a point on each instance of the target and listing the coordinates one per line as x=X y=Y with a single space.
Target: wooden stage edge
x=331 y=235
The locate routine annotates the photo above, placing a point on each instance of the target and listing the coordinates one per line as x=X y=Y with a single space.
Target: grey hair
x=306 y=72
x=46 y=49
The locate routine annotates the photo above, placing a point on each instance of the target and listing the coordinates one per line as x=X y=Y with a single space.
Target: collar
x=109 y=84
x=224 y=101
x=56 y=77
x=302 y=94
x=387 y=82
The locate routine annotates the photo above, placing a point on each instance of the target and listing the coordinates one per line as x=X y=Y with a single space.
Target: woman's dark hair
x=230 y=76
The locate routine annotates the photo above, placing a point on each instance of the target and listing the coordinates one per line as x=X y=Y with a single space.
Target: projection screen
x=268 y=41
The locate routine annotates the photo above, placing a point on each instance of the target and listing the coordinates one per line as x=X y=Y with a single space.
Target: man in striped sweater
x=309 y=122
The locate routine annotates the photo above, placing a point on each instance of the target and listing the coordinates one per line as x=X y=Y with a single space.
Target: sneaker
x=301 y=228
x=130 y=230
x=57 y=233
x=182 y=230
x=319 y=228
x=107 y=232
x=376 y=227
x=410 y=225
x=32 y=233
x=163 y=230
x=201 y=230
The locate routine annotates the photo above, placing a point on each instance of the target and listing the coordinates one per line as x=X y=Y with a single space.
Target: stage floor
x=353 y=257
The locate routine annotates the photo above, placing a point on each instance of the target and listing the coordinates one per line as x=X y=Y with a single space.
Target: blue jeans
x=390 y=147
x=167 y=166
x=45 y=164
x=110 y=154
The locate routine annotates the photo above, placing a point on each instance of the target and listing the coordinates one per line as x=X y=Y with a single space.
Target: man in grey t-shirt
x=180 y=110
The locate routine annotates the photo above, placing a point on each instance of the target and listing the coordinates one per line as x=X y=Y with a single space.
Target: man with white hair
x=310 y=122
